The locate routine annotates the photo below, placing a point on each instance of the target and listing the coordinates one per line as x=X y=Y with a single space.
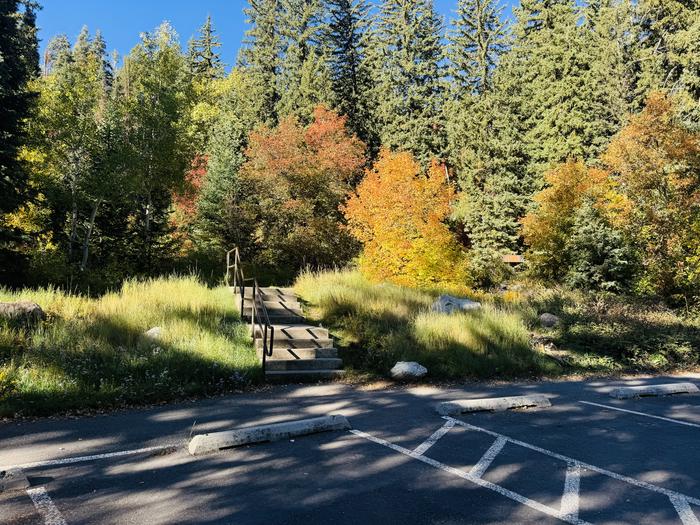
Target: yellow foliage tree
x=548 y=228
x=656 y=162
x=398 y=214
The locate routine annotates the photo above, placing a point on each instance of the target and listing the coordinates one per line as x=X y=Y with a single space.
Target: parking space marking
x=572 y=485
x=685 y=513
x=478 y=481
x=484 y=463
x=45 y=507
x=423 y=447
x=571 y=461
x=667 y=419
x=80 y=459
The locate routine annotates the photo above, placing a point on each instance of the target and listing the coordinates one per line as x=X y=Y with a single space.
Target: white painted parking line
x=667 y=419
x=423 y=447
x=484 y=463
x=572 y=484
x=80 y=459
x=620 y=477
x=45 y=507
x=478 y=481
x=685 y=513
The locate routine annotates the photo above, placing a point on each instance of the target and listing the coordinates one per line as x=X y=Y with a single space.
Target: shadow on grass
x=374 y=339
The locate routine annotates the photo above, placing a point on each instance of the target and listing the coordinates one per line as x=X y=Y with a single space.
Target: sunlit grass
x=92 y=352
x=379 y=324
x=383 y=323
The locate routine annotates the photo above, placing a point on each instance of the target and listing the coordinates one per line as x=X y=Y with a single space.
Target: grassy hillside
x=93 y=353
x=381 y=324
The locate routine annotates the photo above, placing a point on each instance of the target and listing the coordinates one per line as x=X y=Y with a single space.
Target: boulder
x=447 y=304
x=153 y=333
x=408 y=370
x=548 y=320
x=25 y=312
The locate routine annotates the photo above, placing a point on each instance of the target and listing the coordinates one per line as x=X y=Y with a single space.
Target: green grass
x=378 y=325
x=381 y=324
x=92 y=352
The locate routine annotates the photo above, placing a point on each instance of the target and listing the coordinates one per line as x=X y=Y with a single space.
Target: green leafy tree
x=155 y=85
x=19 y=64
x=410 y=88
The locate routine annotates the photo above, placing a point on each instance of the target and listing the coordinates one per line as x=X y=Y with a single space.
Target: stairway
x=301 y=352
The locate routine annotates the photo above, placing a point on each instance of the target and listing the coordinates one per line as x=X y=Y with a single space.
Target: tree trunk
x=88 y=234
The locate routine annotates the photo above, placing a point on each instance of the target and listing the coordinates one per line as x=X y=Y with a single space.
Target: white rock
x=408 y=370
x=549 y=320
x=154 y=333
x=447 y=304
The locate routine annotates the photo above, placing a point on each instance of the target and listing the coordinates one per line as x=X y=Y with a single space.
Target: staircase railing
x=259 y=318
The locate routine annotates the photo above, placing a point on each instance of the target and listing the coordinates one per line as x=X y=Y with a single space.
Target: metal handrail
x=258 y=309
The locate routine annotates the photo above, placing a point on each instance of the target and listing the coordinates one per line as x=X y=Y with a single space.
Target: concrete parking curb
x=494 y=404
x=13 y=479
x=206 y=443
x=630 y=392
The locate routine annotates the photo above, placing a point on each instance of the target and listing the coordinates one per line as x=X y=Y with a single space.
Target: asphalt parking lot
x=586 y=459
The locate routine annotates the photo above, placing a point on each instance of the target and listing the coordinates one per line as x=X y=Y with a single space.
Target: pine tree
x=669 y=36
x=475 y=44
x=609 y=77
x=410 y=82
x=348 y=38
x=19 y=63
x=261 y=55
x=305 y=60
x=204 y=60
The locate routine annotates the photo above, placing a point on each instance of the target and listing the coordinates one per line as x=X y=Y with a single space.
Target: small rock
x=447 y=304
x=13 y=479
x=548 y=320
x=408 y=370
x=25 y=312
x=153 y=333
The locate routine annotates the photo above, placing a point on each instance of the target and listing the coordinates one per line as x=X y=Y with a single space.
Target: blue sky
x=121 y=21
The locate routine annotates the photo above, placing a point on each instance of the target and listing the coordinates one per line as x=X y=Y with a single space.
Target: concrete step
x=324 y=363
x=274 y=304
x=285 y=331
x=279 y=319
x=300 y=353
x=273 y=294
x=309 y=343
x=275 y=310
x=301 y=376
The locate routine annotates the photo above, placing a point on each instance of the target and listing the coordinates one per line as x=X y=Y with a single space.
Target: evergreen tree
x=476 y=41
x=669 y=36
x=19 y=63
x=204 y=60
x=410 y=82
x=261 y=54
x=609 y=78
x=348 y=38
x=304 y=79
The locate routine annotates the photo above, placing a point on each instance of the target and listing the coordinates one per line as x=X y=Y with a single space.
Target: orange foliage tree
x=184 y=215
x=297 y=179
x=398 y=215
x=656 y=161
